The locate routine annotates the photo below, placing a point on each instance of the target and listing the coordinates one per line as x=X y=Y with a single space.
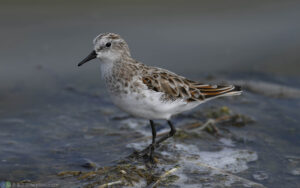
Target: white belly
x=149 y=106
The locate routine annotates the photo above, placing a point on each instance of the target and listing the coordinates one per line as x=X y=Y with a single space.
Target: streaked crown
x=112 y=44
x=108 y=47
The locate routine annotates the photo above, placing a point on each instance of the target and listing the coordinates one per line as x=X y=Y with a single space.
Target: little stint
x=149 y=92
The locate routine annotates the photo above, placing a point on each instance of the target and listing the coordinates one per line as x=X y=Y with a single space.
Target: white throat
x=108 y=59
x=106 y=68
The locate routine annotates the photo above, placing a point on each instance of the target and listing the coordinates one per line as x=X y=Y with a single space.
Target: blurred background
x=41 y=43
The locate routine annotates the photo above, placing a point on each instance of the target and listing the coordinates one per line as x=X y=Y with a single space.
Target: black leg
x=155 y=144
x=173 y=130
x=152 y=146
x=171 y=133
x=153 y=131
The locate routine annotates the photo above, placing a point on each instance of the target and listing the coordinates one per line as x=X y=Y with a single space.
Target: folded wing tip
x=237 y=88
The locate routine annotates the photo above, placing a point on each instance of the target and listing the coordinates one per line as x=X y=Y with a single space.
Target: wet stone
x=86 y=163
x=295 y=172
x=260 y=175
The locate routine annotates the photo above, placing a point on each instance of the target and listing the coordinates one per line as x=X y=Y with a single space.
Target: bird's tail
x=213 y=91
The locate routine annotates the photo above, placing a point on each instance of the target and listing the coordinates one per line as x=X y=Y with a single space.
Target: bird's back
x=176 y=87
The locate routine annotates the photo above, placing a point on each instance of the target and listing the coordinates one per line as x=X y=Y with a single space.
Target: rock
x=260 y=175
x=295 y=172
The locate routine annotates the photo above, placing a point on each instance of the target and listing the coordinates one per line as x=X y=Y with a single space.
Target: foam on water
x=205 y=168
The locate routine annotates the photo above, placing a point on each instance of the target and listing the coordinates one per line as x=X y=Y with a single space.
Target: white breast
x=148 y=105
x=141 y=102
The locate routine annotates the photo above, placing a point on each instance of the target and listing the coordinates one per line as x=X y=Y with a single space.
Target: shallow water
x=73 y=127
x=56 y=117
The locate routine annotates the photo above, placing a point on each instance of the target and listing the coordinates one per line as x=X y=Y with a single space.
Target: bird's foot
x=150 y=159
x=148 y=156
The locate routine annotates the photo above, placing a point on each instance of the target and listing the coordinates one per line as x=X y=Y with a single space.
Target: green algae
x=228 y=117
x=129 y=174
x=217 y=113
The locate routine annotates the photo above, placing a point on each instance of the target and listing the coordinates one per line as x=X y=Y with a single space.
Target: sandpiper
x=149 y=92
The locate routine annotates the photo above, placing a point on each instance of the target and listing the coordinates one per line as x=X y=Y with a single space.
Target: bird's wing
x=177 y=87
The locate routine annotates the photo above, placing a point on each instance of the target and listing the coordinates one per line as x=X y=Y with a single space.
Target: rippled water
x=56 y=117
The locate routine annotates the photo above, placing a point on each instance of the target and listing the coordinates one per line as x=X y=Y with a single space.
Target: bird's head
x=108 y=47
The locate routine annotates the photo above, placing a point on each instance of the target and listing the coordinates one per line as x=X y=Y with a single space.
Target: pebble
x=295 y=172
x=260 y=175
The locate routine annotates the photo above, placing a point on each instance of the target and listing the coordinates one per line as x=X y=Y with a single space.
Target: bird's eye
x=108 y=44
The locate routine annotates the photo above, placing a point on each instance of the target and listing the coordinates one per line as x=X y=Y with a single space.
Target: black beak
x=91 y=56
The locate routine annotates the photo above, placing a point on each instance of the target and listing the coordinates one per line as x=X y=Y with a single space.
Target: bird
x=149 y=92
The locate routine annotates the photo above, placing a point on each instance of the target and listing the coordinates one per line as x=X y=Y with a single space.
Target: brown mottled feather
x=177 y=87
